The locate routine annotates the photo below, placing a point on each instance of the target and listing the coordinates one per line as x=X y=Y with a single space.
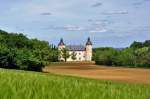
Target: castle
x=82 y=53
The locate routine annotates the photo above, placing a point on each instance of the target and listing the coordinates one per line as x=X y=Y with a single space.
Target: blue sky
x=113 y=23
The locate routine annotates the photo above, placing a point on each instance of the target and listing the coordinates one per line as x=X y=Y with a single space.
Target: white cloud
x=137 y=3
x=73 y=28
x=98 y=30
x=66 y=27
x=89 y=28
x=115 y=13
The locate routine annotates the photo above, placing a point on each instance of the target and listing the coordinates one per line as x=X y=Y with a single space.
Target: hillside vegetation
x=30 y=85
x=137 y=55
x=19 y=52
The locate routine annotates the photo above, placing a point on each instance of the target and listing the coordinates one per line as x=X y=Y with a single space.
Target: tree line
x=19 y=52
x=137 y=55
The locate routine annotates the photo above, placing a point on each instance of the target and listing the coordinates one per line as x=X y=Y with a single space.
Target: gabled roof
x=75 y=48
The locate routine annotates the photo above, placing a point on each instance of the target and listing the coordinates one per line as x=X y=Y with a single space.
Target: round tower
x=61 y=46
x=88 y=53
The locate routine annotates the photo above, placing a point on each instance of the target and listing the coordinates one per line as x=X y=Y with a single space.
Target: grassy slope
x=30 y=85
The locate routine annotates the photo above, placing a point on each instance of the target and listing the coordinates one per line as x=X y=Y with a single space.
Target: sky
x=109 y=23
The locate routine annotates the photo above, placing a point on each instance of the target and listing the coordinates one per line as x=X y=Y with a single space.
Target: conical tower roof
x=88 y=41
x=61 y=42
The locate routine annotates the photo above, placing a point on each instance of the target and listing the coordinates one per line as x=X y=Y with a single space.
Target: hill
x=30 y=85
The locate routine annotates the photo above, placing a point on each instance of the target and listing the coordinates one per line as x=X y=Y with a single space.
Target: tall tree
x=65 y=53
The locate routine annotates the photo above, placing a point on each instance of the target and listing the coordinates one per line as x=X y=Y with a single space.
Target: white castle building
x=82 y=53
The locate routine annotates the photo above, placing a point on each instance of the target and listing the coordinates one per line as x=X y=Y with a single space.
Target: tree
x=105 y=56
x=73 y=56
x=147 y=43
x=8 y=57
x=65 y=53
x=126 y=58
x=136 y=45
x=143 y=57
x=19 y=52
x=27 y=60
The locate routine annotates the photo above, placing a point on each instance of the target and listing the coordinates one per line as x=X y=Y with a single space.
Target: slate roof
x=88 y=42
x=61 y=42
x=75 y=48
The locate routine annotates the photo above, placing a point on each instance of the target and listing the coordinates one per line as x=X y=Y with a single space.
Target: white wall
x=60 y=58
x=89 y=53
x=80 y=56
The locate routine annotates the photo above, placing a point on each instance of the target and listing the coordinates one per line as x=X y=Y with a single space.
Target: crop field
x=31 y=85
x=90 y=70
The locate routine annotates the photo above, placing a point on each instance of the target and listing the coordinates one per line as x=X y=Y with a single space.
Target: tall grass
x=30 y=85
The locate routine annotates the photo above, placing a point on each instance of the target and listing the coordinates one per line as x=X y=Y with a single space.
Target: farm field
x=31 y=85
x=89 y=70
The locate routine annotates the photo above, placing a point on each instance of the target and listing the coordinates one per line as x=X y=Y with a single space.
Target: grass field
x=31 y=85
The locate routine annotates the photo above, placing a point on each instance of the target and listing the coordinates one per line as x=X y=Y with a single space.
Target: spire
x=61 y=42
x=88 y=41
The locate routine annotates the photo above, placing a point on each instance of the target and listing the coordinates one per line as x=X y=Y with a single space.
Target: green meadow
x=32 y=85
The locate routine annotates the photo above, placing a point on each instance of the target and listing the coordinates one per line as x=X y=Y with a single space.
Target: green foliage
x=7 y=57
x=19 y=52
x=138 y=55
x=65 y=53
x=105 y=56
x=125 y=58
x=73 y=55
x=27 y=60
x=143 y=57
x=146 y=43
x=136 y=45
x=29 y=85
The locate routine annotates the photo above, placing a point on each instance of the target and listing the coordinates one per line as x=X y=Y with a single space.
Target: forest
x=19 y=52
x=137 y=55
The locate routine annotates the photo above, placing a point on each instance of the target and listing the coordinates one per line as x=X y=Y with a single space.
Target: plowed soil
x=90 y=70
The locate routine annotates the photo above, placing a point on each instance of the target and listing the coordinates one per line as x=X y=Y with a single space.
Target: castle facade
x=79 y=52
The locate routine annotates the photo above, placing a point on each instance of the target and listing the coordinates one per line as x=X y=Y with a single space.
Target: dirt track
x=102 y=72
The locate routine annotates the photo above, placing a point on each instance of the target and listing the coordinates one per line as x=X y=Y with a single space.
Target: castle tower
x=61 y=45
x=88 y=53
